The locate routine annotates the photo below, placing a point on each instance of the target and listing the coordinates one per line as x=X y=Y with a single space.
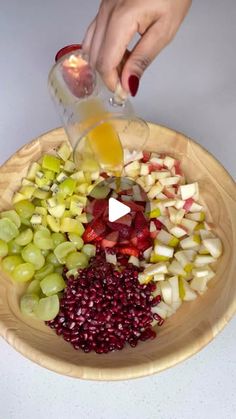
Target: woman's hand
x=117 y=21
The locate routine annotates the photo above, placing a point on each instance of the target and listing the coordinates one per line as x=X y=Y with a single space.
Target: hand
x=117 y=21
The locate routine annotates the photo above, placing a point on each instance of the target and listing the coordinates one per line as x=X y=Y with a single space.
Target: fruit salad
x=102 y=284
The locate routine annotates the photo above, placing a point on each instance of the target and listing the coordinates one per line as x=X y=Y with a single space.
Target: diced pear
x=144 y=278
x=175 y=268
x=159 y=268
x=178 y=232
x=190 y=242
x=204 y=260
x=111 y=258
x=196 y=207
x=162 y=250
x=202 y=271
x=134 y=261
x=206 y=234
x=199 y=284
x=166 y=291
x=147 y=253
x=214 y=246
x=196 y=216
x=190 y=295
x=188 y=224
x=159 y=277
x=174 y=283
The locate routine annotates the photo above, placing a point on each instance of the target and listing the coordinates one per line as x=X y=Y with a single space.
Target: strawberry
x=123 y=229
x=158 y=224
x=94 y=231
x=100 y=205
x=126 y=220
x=110 y=240
x=133 y=206
x=146 y=156
x=131 y=251
x=140 y=224
x=144 y=243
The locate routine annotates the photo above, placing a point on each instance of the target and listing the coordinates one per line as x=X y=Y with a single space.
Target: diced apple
x=134 y=261
x=214 y=246
x=169 y=162
x=162 y=175
x=133 y=166
x=166 y=291
x=172 y=180
x=144 y=169
x=189 y=191
x=154 y=191
x=179 y=204
x=195 y=207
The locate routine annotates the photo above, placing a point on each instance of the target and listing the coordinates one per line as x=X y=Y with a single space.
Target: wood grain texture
x=190 y=329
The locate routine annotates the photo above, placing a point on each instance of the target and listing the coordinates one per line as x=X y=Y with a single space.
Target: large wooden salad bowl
x=193 y=326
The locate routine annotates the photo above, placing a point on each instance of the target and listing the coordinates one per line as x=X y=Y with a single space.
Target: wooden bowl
x=193 y=326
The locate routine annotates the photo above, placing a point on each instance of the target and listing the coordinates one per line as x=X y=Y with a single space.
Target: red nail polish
x=133 y=84
x=65 y=50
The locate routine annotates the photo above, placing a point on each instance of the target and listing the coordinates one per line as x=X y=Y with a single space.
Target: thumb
x=149 y=46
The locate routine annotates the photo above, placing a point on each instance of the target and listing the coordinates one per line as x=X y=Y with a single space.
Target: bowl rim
x=117 y=373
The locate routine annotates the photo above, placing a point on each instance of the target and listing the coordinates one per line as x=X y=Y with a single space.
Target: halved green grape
x=51 y=163
x=76 y=260
x=77 y=240
x=62 y=250
x=89 y=250
x=59 y=270
x=52 y=284
x=9 y=263
x=51 y=258
x=13 y=216
x=24 y=208
x=44 y=271
x=23 y=272
x=43 y=240
x=14 y=248
x=45 y=252
x=3 y=249
x=25 y=237
x=28 y=304
x=69 y=225
x=25 y=222
x=33 y=255
x=47 y=308
x=8 y=230
x=58 y=238
x=34 y=287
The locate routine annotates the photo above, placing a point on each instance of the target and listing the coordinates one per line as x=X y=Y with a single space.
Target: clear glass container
x=87 y=107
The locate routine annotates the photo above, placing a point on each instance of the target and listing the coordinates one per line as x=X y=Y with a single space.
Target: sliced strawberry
x=99 y=207
x=158 y=224
x=110 y=240
x=146 y=156
x=94 y=231
x=131 y=251
x=153 y=167
x=140 y=222
x=188 y=203
x=144 y=244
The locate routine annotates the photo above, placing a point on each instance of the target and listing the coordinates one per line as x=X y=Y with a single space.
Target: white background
x=191 y=87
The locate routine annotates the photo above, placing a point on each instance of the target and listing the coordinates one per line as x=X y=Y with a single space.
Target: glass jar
x=85 y=104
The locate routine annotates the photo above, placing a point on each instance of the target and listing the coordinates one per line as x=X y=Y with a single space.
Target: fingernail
x=133 y=85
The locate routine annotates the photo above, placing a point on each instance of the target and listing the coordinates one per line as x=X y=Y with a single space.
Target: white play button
x=116 y=210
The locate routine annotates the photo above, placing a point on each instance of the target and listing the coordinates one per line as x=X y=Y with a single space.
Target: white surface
x=192 y=88
x=116 y=210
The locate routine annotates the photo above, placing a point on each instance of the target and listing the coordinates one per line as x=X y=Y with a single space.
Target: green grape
x=89 y=250
x=23 y=272
x=44 y=271
x=76 y=260
x=13 y=216
x=14 y=248
x=8 y=230
x=28 y=304
x=47 y=308
x=51 y=258
x=77 y=240
x=69 y=225
x=3 y=249
x=33 y=255
x=9 y=263
x=57 y=239
x=25 y=222
x=43 y=240
x=34 y=287
x=52 y=284
x=45 y=252
x=24 y=209
x=25 y=237
x=59 y=270
x=62 y=250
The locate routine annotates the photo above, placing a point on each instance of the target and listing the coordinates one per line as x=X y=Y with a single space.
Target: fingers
x=114 y=49
x=149 y=46
x=88 y=37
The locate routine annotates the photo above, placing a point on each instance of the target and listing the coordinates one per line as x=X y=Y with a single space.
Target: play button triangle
x=116 y=209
